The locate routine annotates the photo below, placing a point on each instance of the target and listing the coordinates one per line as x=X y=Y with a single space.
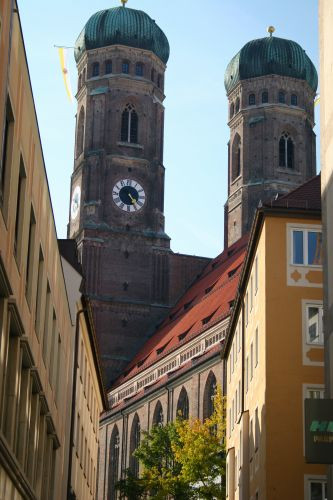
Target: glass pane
x=314 y=394
x=313 y=325
x=298 y=247
x=316 y=491
x=314 y=248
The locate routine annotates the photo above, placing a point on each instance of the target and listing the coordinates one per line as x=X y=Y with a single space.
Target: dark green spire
x=270 y=56
x=122 y=26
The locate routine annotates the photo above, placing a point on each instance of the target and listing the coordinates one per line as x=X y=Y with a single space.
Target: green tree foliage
x=183 y=460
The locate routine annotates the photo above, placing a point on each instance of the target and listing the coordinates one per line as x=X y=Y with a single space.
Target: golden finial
x=270 y=30
x=124 y=2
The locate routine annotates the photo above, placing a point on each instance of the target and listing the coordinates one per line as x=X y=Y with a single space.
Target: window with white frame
x=315 y=393
x=317 y=489
x=306 y=247
x=314 y=324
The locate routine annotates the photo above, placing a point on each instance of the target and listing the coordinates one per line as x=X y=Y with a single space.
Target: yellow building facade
x=274 y=356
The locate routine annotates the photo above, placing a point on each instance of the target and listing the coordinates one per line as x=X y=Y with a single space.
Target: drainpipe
x=70 y=493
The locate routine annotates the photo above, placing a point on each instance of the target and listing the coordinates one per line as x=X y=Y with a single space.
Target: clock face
x=128 y=195
x=75 y=205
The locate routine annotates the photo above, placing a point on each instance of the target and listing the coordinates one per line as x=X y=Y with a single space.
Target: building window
x=314 y=324
x=183 y=405
x=282 y=97
x=80 y=133
x=152 y=75
x=286 y=151
x=108 y=67
x=315 y=393
x=7 y=149
x=95 y=69
x=237 y=104
x=264 y=97
x=114 y=463
x=125 y=67
x=20 y=202
x=257 y=430
x=246 y=308
x=79 y=82
x=252 y=99
x=251 y=361
x=158 y=417
x=30 y=255
x=317 y=489
x=139 y=69
x=159 y=81
x=84 y=74
x=134 y=444
x=293 y=100
x=256 y=275
x=247 y=374
x=209 y=395
x=256 y=359
x=129 y=125
x=232 y=110
x=306 y=247
x=236 y=157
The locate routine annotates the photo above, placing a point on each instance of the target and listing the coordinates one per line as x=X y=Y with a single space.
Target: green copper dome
x=267 y=56
x=122 y=26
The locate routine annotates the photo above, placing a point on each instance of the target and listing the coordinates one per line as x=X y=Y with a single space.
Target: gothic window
x=125 y=67
x=79 y=82
x=80 y=133
x=293 y=100
x=95 y=69
x=286 y=151
x=84 y=75
x=114 y=463
x=158 y=417
x=129 y=125
x=134 y=444
x=183 y=405
x=282 y=97
x=139 y=69
x=252 y=99
x=264 y=97
x=159 y=81
x=236 y=158
x=209 y=395
x=108 y=67
x=237 y=104
x=232 y=110
x=152 y=75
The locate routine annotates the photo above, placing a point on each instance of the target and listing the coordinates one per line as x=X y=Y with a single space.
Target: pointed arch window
x=236 y=157
x=183 y=407
x=232 y=110
x=139 y=69
x=134 y=444
x=80 y=133
x=252 y=99
x=95 y=69
x=282 y=97
x=114 y=463
x=152 y=75
x=159 y=81
x=209 y=395
x=129 y=125
x=108 y=67
x=293 y=100
x=286 y=151
x=79 y=82
x=264 y=97
x=84 y=75
x=158 y=418
x=237 y=104
x=125 y=67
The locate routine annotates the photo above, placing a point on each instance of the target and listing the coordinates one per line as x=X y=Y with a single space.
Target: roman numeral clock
x=129 y=195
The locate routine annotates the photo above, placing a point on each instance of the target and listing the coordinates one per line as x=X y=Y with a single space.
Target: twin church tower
x=117 y=187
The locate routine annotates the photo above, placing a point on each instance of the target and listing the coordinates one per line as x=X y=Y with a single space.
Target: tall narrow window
x=139 y=69
x=256 y=347
x=293 y=100
x=125 y=67
x=84 y=75
x=256 y=274
x=237 y=104
x=40 y=279
x=134 y=444
x=252 y=99
x=108 y=67
x=209 y=395
x=129 y=125
x=80 y=133
x=7 y=148
x=19 y=210
x=152 y=75
x=251 y=361
x=264 y=97
x=30 y=255
x=183 y=405
x=236 y=157
x=47 y=324
x=282 y=97
x=114 y=463
x=286 y=151
x=158 y=417
x=314 y=324
x=79 y=85
x=232 y=110
x=159 y=81
x=95 y=69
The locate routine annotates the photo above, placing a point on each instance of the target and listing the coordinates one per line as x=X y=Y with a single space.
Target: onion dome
x=122 y=26
x=270 y=56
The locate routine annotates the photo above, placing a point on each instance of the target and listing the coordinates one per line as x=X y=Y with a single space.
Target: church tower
x=117 y=187
x=271 y=85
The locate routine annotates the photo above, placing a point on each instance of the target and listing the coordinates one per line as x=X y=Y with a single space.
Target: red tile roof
x=307 y=196
x=207 y=301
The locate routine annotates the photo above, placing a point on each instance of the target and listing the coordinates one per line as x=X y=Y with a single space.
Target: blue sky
x=203 y=37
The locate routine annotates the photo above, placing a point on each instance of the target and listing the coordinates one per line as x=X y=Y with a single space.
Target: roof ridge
x=299 y=187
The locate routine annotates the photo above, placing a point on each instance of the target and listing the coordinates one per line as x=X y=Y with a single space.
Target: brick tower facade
x=117 y=187
x=270 y=86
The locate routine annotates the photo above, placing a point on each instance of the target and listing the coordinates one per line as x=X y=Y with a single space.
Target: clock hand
x=133 y=200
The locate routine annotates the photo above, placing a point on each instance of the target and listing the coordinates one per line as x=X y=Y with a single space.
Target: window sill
x=312 y=266
x=289 y=171
x=129 y=145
